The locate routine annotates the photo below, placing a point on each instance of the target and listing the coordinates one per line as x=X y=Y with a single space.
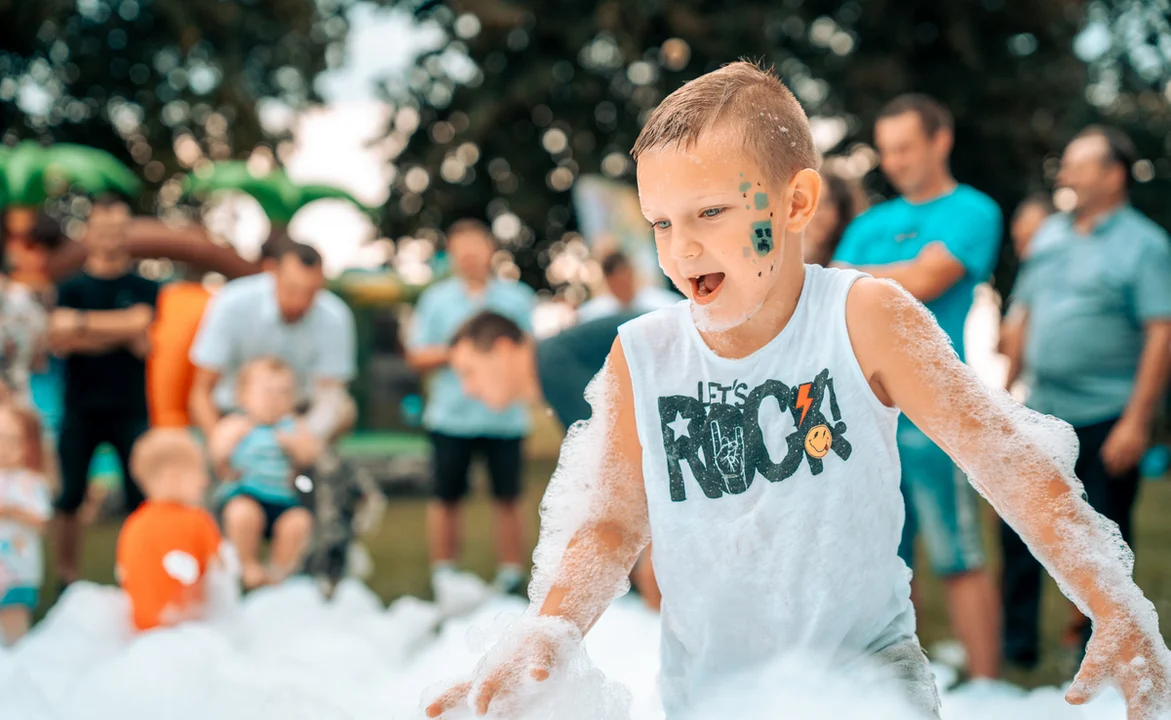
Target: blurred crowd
x=248 y=384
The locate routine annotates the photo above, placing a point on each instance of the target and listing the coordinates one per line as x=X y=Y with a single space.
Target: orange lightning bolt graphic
x=804 y=401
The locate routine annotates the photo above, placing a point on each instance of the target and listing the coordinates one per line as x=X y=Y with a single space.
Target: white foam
x=300 y=657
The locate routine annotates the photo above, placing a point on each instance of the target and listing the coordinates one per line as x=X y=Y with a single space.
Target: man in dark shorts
x=460 y=427
x=498 y=364
x=101 y=326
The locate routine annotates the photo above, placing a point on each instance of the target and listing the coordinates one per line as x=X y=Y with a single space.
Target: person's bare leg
x=14 y=623
x=645 y=582
x=975 y=617
x=443 y=531
x=290 y=540
x=67 y=527
x=243 y=526
x=509 y=533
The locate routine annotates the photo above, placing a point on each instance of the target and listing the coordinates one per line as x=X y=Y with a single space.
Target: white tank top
x=772 y=483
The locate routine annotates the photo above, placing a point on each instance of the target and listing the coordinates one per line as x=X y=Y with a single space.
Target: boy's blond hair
x=160 y=449
x=270 y=363
x=750 y=100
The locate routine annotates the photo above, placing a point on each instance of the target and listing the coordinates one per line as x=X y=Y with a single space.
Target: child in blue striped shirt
x=255 y=455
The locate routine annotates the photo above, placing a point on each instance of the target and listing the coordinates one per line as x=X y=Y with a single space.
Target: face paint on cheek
x=761 y=200
x=744 y=186
x=762 y=237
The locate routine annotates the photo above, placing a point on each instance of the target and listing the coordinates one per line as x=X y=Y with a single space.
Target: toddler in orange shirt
x=167 y=545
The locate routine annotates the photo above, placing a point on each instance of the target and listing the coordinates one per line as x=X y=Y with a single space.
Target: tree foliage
x=148 y=80
x=562 y=88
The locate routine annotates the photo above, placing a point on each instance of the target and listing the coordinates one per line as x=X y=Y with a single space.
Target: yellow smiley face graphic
x=818 y=440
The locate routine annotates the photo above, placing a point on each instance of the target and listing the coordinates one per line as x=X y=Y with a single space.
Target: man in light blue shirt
x=1095 y=294
x=460 y=426
x=285 y=313
x=939 y=240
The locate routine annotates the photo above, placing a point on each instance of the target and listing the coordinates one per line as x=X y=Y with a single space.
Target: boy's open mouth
x=704 y=288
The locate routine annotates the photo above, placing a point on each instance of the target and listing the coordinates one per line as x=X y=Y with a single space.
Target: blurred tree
x=161 y=84
x=560 y=88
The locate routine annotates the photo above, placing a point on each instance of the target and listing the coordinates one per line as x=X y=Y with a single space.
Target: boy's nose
x=684 y=247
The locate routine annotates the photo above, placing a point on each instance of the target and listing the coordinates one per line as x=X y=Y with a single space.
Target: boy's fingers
x=1089 y=679
x=542 y=662
x=448 y=700
x=487 y=691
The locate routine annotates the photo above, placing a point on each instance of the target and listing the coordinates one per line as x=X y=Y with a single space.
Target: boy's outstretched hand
x=1120 y=651
x=528 y=655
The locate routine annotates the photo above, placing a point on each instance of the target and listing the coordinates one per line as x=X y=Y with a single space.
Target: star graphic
x=679 y=425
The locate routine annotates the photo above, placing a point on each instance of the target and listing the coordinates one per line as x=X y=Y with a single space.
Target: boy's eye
x=661 y=224
x=711 y=212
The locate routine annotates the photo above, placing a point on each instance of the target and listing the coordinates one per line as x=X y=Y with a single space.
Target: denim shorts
x=940 y=504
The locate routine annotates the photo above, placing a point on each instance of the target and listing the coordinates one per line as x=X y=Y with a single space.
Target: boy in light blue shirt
x=460 y=426
x=256 y=453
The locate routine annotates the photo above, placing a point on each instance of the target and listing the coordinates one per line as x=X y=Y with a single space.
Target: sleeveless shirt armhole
x=848 y=278
x=631 y=352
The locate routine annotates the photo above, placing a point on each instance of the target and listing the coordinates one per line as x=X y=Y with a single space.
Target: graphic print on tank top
x=718 y=434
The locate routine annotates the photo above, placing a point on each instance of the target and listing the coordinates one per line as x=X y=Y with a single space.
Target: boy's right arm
x=601 y=551
x=224 y=437
x=618 y=527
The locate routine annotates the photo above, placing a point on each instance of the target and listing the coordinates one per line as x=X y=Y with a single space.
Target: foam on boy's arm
x=594 y=514
x=1021 y=461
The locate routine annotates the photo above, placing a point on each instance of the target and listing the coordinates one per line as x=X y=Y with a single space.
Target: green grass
x=401 y=567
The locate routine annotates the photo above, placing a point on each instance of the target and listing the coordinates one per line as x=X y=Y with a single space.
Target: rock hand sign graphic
x=721 y=439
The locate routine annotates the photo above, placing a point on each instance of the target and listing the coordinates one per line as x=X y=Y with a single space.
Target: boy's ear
x=805 y=193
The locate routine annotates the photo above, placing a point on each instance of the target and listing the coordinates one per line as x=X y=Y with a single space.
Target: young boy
x=751 y=432
x=256 y=453
x=167 y=545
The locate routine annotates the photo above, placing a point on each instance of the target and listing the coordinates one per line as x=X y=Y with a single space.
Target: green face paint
x=761 y=200
x=744 y=186
x=762 y=237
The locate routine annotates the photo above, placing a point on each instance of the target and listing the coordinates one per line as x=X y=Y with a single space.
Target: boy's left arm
x=300 y=444
x=1022 y=462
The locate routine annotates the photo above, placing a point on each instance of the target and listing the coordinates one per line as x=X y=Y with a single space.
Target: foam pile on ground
x=286 y=654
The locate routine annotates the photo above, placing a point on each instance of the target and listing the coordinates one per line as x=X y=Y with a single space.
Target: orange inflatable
x=169 y=372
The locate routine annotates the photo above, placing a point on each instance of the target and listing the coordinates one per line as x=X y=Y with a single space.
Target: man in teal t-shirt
x=938 y=240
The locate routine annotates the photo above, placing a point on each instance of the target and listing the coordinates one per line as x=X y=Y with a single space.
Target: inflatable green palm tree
x=279 y=196
x=31 y=173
